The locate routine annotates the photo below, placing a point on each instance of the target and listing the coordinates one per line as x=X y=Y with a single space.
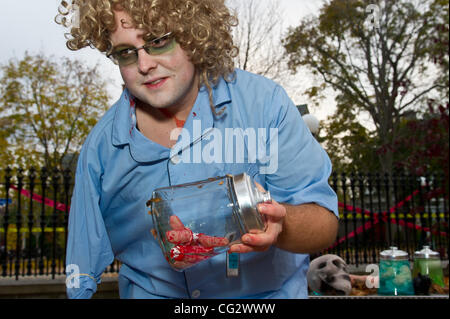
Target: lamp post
x=311 y=121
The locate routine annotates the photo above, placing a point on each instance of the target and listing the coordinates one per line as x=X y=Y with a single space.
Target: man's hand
x=257 y=240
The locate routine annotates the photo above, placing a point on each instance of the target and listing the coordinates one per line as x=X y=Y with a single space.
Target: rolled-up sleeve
x=303 y=165
x=88 y=246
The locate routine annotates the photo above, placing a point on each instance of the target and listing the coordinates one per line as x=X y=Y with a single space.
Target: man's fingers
x=175 y=223
x=191 y=253
x=258 y=241
x=183 y=236
x=272 y=209
x=211 y=241
x=241 y=248
x=266 y=238
x=179 y=234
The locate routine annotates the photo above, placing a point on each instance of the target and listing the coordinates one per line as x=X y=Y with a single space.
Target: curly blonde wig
x=201 y=27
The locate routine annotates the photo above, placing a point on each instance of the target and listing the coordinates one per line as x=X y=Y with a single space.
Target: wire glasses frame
x=129 y=56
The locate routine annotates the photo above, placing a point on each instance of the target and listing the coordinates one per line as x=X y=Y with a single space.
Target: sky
x=28 y=26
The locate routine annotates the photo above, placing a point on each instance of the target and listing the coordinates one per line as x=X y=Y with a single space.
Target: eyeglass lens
x=157 y=46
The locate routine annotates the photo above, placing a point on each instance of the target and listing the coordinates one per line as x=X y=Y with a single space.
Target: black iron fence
x=34 y=211
x=381 y=211
x=376 y=212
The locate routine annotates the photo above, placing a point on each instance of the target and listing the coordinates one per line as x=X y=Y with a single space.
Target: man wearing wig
x=176 y=61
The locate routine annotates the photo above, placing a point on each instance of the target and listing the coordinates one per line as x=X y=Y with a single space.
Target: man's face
x=167 y=80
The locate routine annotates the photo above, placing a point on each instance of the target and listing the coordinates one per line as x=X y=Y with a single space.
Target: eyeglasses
x=128 y=55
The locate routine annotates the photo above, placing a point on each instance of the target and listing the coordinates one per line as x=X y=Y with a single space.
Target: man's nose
x=146 y=62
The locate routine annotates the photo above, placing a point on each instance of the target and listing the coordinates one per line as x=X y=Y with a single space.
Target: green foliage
x=438 y=42
x=47 y=108
x=383 y=72
x=349 y=144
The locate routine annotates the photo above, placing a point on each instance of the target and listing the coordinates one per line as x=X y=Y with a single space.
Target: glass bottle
x=428 y=263
x=395 y=273
x=196 y=221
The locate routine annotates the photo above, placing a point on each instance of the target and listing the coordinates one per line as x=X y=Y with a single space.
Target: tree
x=380 y=68
x=349 y=144
x=258 y=37
x=423 y=143
x=47 y=109
x=439 y=41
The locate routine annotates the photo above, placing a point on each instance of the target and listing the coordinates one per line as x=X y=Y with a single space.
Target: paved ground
x=45 y=287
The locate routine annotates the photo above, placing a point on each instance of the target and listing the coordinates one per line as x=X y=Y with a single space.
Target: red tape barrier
x=62 y=207
x=384 y=217
x=38 y=198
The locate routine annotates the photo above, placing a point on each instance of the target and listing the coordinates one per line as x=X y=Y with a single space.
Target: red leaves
x=422 y=145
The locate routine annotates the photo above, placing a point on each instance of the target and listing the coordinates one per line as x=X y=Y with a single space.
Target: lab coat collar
x=144 y=150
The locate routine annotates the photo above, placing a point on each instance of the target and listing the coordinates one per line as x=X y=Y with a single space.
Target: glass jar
x=428 y=263
x=395 y=273
x=196 y=221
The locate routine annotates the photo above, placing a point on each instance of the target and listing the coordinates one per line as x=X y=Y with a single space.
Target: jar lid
x=247 y=197
x=426 y=253
x=393 y=253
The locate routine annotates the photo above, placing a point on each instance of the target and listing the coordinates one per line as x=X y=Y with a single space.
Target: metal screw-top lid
x=247 y=197
x=426 y=253
x=393 y=253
